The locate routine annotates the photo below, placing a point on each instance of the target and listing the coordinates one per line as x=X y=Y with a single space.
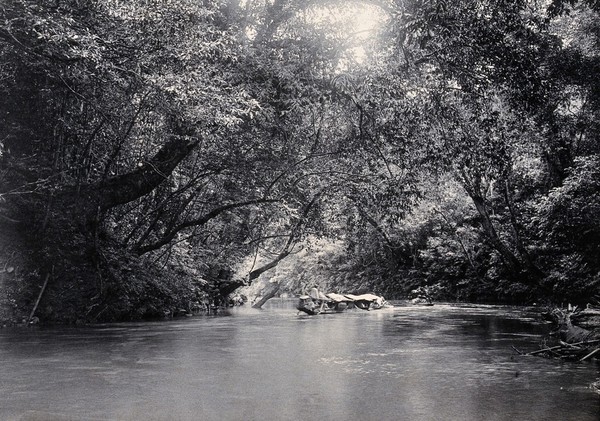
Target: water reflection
x=444 y=362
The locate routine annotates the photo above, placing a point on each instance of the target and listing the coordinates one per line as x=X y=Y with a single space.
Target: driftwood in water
x=575 y=341
x=576 y=326
x=576 y=347
x=590 y=354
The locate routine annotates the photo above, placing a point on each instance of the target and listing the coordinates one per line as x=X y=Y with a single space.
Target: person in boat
x=317 y=298
x=307 y=304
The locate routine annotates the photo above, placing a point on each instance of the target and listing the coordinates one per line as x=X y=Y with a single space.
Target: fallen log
x=568 y=345
x=539 y=351
x=554 y=348
x=38 y=299
x=590 y=354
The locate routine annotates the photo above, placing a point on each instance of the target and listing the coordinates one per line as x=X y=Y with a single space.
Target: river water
x=408 y=363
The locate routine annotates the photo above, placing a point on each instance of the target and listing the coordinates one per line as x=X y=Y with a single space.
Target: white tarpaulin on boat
x=363 y=297
x=336 y=297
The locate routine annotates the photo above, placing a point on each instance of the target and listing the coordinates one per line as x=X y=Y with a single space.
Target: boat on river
x=322 y=303
x=319 y=303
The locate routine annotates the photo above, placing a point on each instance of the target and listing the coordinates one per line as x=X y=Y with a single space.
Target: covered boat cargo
x=318 y=303
x=369 y=301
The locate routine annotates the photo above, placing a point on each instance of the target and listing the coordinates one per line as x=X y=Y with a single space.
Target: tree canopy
x=151 y=149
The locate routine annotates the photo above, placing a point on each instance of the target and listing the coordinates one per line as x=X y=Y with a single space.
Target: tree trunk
x=531 y=267
x=510 y=260
x=454 y=232
x=267 y=293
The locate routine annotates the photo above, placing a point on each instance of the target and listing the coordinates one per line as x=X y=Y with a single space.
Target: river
x=409 y=363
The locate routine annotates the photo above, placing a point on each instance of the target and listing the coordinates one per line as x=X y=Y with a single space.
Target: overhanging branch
x=172 y=233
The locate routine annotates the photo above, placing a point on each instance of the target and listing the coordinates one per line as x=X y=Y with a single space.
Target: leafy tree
x=185 y=137
x=567 y=225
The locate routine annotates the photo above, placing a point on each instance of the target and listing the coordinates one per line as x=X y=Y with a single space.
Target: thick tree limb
x=508 y=256
x=139 y=182
x=273 y=263
x=267 y=293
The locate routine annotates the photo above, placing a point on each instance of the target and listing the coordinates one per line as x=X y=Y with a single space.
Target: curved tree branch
x=172 y=233
x=292 y=240
x=137 y=183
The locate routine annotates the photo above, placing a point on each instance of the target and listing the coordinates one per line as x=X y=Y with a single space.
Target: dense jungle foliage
x=155 y=155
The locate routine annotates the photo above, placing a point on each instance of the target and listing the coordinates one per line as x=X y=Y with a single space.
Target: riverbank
x=14 y=270
x=79 y=285
x=575 y=325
